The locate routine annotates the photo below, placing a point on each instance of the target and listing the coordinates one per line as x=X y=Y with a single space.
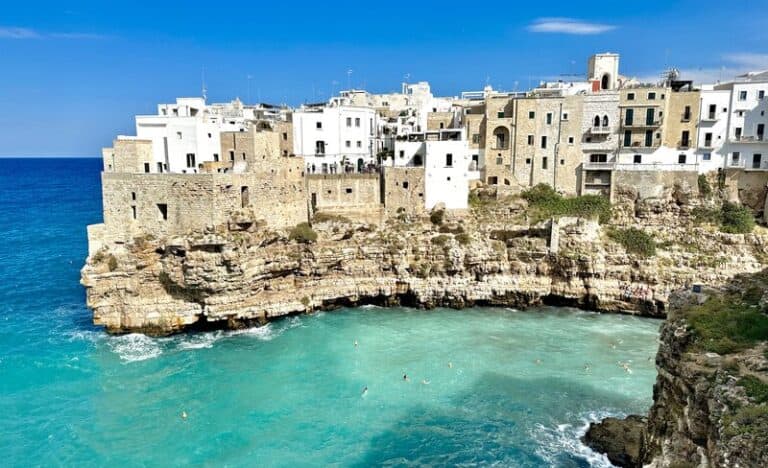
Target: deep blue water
x=486 y=386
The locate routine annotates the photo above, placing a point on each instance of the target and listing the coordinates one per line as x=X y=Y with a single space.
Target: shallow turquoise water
x=518 y=391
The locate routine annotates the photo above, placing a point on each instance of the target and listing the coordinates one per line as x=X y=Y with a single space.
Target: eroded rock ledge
x=240 y=274
x=710 y=409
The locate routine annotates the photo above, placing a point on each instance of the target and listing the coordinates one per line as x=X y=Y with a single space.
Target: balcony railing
x=600 y=130
x=743 y=163
x=709 y=118
x=748 y=139
x=599 y=166
x=644 y=124
x=683 y=144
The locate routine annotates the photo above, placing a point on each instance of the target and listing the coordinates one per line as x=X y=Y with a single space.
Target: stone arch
x=605 y=121
x=596 y=121
x=605 y=81
x=501 y=137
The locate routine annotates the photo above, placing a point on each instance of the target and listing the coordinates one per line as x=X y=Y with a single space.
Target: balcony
x=638 y=146
x=599 y=166
x=709 y=118
x=500 y=147
x=644 y=124
x=748 y=139
x=743 y=163
x=600 y=130
x=684 y=144
x=708 y=144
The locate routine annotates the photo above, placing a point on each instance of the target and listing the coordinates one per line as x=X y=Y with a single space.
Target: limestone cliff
x=239 y=273
x=710 y=408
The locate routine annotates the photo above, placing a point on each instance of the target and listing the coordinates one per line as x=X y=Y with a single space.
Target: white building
x=746 y=144
x=448 y=166
x=186 y=134
x=712 y=129
x=337 y=138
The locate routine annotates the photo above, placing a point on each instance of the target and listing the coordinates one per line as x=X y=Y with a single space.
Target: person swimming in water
x=450 y=365
x=365 y=391
x=184 y=415
x=405 y=378
x=355 y=343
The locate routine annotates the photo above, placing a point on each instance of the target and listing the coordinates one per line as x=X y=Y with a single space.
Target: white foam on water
x=566 y=438
x=264 y=333
x=371 y=306
x=200 y=340
x=90 y=336
x=135 y=347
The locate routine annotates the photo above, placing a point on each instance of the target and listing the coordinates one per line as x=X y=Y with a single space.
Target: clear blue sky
x=73 y=74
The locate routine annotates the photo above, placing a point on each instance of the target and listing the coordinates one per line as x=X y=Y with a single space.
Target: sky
x=74 y=74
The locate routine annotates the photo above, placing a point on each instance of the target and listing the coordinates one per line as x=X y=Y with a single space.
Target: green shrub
x=747 y=420
x=111 y=262
x=441 y=240
x=321 y=217
x=736 y=219
x=544 y=202
x=436 y=217
x=634 y=241
x=732 y=218
x=727 y=323
x=705 y=190
x=303 y=233
x=754 y=388
x=463 y=238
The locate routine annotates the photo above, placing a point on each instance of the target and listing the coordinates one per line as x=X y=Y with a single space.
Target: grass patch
x=755 y=388
x=705 y=189
x=727 y=324
x=463 y=238
x=634 y=241
x=303 y=233
x=731 y=218
x=321 y=217
x=441 y=239
x=544 y=202
x=747 y=420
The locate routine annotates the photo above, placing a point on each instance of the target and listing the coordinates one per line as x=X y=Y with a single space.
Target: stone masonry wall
x=403 y=188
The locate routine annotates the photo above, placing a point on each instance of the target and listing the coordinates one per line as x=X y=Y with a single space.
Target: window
x=160 y=167
x=549 y=118
x=687 y=113
x=449 y=160
x=528 y=161
x=190 y=159
x=215 y=157
x=357 y=121
x=442 y=125
x=163 y=211
x=740 y=113
x=146 y=167
x=244 y=197
x=761 y=94
x=649 y=116
x=735 y=157
x=562 y=162
x=627 y=138
x=565 y=115
x=475 y=138
x=708 y=140
x=243 y=156
x=630 y=96
x=596 y=121
x=684 y=138
x=405 y=184
x=499 y=160
x=651 y=96
x=637 y=159
x=531 y=114
x=681 y=158
x=712 y=111
x=598 y=158
x=706 y=156
x=737 y=133
x=544 y=142
x=231 y=155
x=648 y=137
x=605 y=121
x=349 y=121
x=629 y=116
x=133 y=212
x=285 y=136
x=402 y=153
x=500 y=114
x=359 y=144
x=348 y=190
x=760 y=131
x=757 y=161
x=742 y=95
x=348 y=144
x=178 y=135
x=319 y=125
x=570 y=140
x=544 y=163
x=530 y=140
x=320 y=147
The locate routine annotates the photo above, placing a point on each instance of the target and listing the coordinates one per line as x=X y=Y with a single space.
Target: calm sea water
x=485 y=385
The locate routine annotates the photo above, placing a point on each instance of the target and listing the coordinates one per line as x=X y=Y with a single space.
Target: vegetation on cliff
x=730 y=217
x=544 y=202
x=634 y=241
x=303 y=233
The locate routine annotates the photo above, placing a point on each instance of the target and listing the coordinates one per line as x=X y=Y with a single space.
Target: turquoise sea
x=485 y=386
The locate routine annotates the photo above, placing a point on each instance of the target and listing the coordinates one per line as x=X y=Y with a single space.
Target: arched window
x=604 y=82
x=597 y=121
x=605 y=121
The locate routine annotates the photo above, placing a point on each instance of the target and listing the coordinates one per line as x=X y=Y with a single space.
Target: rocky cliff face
x=709 y=409
x=238 y=274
